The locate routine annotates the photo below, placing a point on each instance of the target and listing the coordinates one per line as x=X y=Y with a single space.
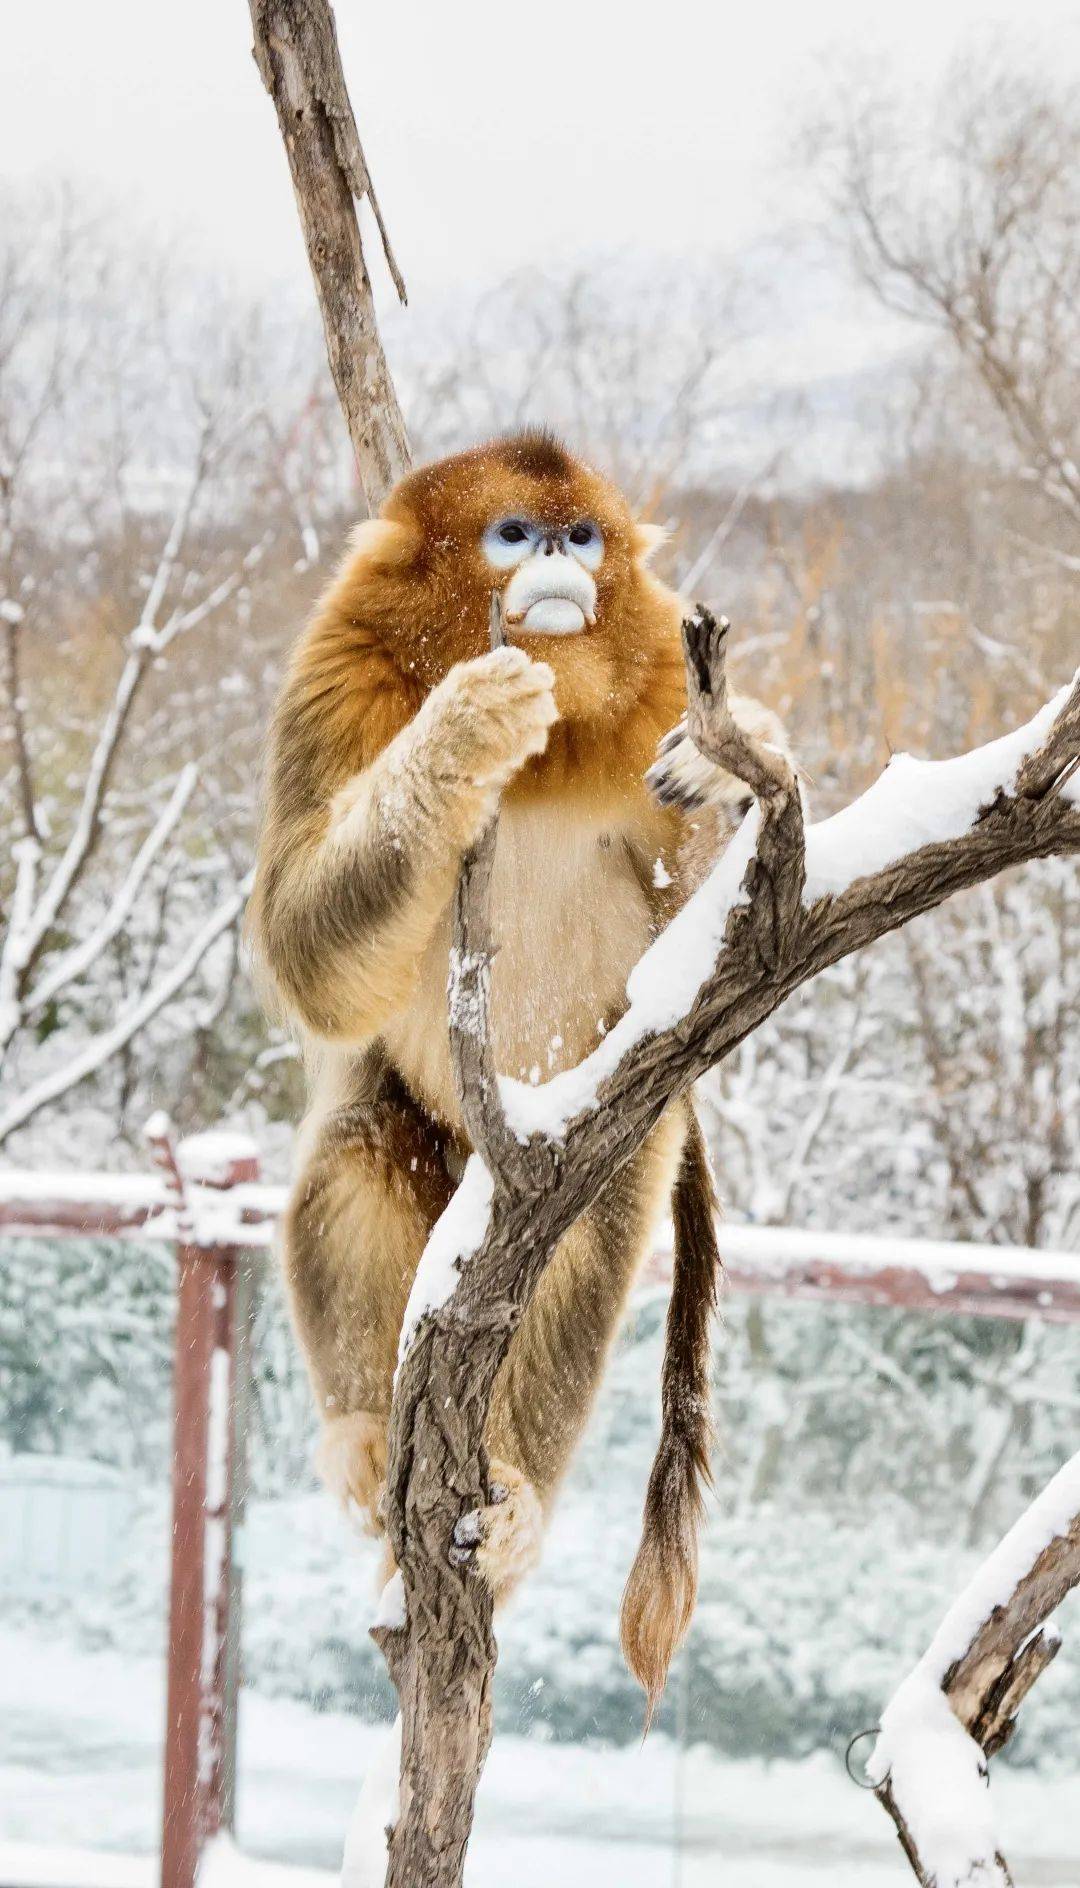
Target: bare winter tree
x=112 y=909
x=962 y=211
x=786 y=901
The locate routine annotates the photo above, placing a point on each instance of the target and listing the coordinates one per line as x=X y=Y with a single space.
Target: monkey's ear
x=648 y=539
x=382 y=541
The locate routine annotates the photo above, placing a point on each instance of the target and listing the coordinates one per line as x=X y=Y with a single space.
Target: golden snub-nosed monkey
x=397 y=733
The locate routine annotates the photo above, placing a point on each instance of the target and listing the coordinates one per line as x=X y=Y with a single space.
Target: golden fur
x=396 y=735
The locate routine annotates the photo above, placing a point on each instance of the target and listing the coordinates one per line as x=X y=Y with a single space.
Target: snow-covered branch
x=784 y=902
x=49 y=948
x=143 y=645
x=11 y=619
x=27 y=854
x=923 y=830
x=77 y=961
x=958 y=1707
x=101 y=1048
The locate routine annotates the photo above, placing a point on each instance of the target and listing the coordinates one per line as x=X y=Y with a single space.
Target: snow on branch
x=959 y=1705
x=102 y=1047
x=39 y=962
x=923 y=830
x=76 y=961
x=144 y=643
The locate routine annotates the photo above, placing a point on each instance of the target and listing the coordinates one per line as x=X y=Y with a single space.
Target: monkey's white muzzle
x=550 y=594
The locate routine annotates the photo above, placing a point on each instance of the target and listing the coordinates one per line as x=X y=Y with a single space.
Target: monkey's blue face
x=551 y=589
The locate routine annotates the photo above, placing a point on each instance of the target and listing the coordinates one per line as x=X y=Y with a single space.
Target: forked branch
x=296 y=51
x=959 y=1706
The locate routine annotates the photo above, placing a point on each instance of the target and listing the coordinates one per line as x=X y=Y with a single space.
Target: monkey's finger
x=511 y=664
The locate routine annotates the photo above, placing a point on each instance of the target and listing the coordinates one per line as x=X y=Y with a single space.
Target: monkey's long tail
x=658 y=1601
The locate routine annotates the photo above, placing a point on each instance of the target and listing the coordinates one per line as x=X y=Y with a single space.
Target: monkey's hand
x=504 y=1538
x=396 y=834
x=681 y=776
x=487 y=718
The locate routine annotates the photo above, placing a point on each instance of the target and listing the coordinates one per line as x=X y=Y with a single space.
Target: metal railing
x=205 y=1197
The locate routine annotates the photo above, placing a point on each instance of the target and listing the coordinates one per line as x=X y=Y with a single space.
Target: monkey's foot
x=351 y=1461
x=681 y=776
x=504 y=1538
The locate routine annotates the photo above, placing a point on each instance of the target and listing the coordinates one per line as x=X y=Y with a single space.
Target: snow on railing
x=854 y=1268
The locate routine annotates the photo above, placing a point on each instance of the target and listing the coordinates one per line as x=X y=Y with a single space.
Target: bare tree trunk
x=296 y=51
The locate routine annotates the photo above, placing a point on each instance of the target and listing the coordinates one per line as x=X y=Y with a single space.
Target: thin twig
x=472 y=954
x=12 y=617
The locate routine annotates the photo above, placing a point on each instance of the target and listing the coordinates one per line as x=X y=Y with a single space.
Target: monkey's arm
x=350 y=889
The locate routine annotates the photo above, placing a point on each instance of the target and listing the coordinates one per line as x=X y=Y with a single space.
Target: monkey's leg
x=545 y=1388
x=360 y=1213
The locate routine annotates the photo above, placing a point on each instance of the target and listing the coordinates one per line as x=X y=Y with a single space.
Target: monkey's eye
x=507 y=541
x=587 y=543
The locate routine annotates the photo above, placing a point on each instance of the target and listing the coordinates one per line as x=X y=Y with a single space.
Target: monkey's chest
x=571 y=918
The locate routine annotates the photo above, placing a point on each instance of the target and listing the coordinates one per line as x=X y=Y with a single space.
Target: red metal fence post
x=182 y=1820
x=203 y=1469
x=243 y=1306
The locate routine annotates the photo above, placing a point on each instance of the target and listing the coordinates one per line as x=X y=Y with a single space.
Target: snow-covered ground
x=80 y=1739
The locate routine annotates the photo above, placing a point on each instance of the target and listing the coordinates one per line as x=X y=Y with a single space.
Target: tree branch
x=145 y=642
x=100 y=1049
x=296 y=51
x=75 y=962
x=469 y=990
x=779 y=907
x=11 y=615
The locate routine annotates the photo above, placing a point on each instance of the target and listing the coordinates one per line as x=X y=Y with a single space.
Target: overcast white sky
x=497 y=134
